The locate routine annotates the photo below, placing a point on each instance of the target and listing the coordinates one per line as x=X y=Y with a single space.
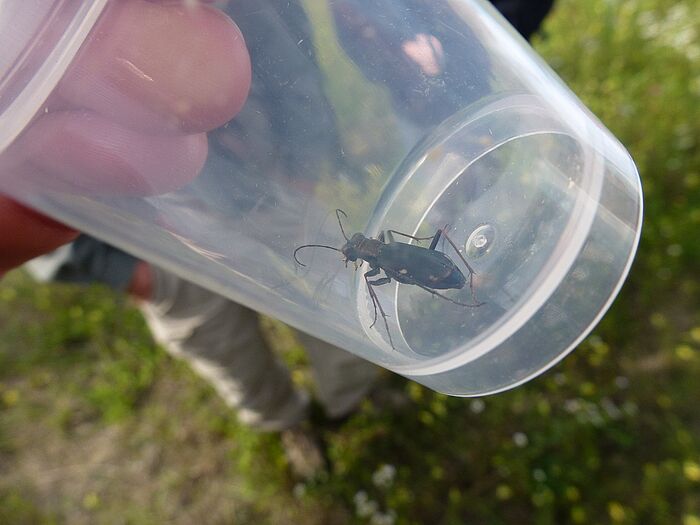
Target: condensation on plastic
x=409 y=116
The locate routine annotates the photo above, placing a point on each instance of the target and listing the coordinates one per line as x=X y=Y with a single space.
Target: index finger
x=180 y=67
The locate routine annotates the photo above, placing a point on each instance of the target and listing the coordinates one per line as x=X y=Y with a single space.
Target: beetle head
x=351 y=249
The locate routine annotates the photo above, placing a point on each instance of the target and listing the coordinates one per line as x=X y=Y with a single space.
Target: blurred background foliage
x=98 y=425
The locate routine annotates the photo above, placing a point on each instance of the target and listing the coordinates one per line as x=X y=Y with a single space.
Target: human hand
x=130 y=116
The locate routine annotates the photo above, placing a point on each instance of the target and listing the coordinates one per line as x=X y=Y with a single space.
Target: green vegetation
x=97 y=425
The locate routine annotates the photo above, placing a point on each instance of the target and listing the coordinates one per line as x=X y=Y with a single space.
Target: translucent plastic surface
x=411 y=116
x=37 y=43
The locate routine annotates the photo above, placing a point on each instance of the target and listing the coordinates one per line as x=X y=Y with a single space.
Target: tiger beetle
x=405 y=263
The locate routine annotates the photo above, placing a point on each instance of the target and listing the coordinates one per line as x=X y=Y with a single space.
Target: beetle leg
x=472 y=305
x=411 y=236
x=371 y=273
x=435 y=240
x=377 y=282
x=375 y=299
x=471 y=270
x=445 y=229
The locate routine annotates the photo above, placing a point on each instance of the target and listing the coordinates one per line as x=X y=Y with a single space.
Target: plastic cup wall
x=408 y=120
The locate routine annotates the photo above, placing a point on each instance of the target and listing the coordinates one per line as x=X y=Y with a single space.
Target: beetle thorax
x=360 y=247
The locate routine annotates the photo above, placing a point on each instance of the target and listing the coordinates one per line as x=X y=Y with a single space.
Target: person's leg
x=342 y=379
x=222 y=342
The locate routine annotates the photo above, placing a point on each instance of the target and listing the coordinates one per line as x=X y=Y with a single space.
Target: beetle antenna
x=312 y=246
x=337 y=214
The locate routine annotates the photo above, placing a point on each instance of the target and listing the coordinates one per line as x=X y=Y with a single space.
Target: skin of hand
x=141 y=285
x=130 y=116
x=426 y=51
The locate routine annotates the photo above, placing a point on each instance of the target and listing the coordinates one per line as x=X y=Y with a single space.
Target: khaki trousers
x=222 y=342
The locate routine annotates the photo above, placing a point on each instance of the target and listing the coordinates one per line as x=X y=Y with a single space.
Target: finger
x=25 y=234
x=148 y=65
x=86 y=153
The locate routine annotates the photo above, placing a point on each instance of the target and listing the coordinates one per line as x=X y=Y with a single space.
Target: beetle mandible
x=426 y=268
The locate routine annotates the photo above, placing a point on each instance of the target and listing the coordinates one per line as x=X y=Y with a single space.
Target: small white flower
x=299 y=490
x=572 y=406
x=365 y=507
x=383 y=518
x=477 y=406
x=593 y=415
x=520 y=439
x=360 y=497
x=610 y=408
x=384 y=476
x=539 y=475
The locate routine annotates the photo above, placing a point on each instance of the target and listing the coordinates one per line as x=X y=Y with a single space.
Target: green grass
x=97 y=425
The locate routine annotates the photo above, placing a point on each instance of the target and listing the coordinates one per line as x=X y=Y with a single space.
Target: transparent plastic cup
x=411 y=116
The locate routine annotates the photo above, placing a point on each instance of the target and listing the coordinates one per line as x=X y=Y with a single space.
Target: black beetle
x=405 y=263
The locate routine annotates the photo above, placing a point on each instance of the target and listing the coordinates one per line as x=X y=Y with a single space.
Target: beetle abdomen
x=410 y=264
